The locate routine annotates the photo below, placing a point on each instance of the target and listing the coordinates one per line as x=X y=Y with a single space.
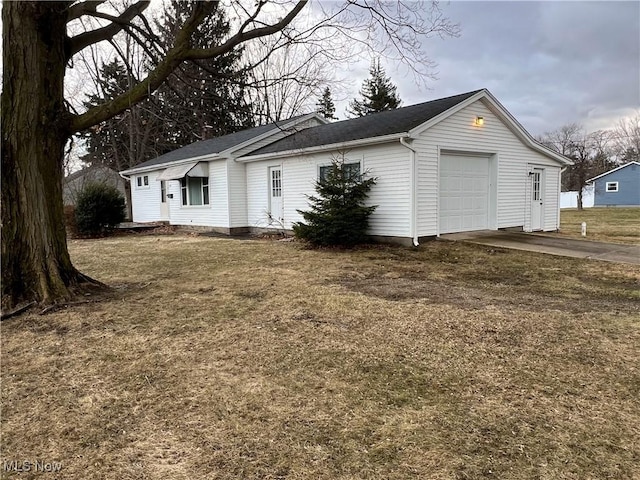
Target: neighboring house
x=74 y=183
x=455 y=164
x=570 y=199
x=619 y=187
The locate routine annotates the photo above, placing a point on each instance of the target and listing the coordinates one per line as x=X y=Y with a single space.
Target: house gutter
x=413 y=214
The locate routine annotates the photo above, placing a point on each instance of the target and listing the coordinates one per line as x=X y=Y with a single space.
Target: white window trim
x=613 y=185
x=188 y=205
x=346 y=162
x=143 y=185
x=270 y=174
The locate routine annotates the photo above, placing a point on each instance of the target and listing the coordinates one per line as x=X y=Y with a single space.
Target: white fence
x=570 y=199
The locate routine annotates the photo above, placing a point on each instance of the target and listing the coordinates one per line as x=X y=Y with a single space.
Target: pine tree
x=130 y=137
x=325 y=105
x=200 y=100
x=378 y=93
x=338 y=215
x=203 y=99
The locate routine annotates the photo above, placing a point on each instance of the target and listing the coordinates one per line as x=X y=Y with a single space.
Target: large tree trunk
x=35 y=262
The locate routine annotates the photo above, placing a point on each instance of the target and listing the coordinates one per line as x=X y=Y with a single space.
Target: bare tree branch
x=84 y=8
x=242 y=37
x=181 y=51
x=83 y=40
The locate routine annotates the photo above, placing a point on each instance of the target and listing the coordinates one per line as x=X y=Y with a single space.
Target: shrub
x=338 y=215
x=99 y=208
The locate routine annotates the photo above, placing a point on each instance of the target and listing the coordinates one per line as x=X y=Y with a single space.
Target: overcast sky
x=548 y=63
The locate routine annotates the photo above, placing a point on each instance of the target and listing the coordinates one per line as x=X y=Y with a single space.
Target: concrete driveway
x=610 y=252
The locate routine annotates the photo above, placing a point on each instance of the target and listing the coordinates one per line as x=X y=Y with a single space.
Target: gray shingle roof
x=374 y=125
x=214 y=145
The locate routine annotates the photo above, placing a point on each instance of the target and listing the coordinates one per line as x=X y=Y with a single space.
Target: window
x=612 y=187
x=351 y=171
x=536 y=186
x=142 y=180
x=195 y=190
x=276 y=182
x=163 y=191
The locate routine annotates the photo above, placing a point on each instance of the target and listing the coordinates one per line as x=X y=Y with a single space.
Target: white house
x=455 y=164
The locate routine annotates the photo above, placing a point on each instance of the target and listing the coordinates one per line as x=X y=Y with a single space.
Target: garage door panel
x=469 y=203
x=469 y=184
x=464 y=193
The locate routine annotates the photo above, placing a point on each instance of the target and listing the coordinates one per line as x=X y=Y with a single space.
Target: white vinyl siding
x=258 y=193
x=389 y=163
x=237 y=193
x=512 y=157
x=216 y=214
x=551 y=199
x=145 y=201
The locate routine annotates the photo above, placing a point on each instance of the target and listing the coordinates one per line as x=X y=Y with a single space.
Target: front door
x=164 y=205
x=536 y=199
x=275 y=197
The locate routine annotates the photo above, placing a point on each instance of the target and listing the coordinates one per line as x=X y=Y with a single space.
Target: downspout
x=413 y=209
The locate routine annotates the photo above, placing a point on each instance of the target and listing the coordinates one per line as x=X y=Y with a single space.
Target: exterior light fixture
x=479 y=121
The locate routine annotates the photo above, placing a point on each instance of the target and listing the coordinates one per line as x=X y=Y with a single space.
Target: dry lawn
x=616 y=225
x=229 y=359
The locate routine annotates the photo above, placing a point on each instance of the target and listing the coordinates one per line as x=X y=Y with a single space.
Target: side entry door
x=276 y=217
x=537 y=203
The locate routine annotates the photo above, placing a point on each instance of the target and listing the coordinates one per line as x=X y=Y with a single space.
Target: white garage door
x=464 y=193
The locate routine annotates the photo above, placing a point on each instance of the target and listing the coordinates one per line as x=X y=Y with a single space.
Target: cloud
x=549 y=63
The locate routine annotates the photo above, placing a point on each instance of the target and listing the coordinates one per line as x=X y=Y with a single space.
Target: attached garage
x=464 y=194
x=455 y=164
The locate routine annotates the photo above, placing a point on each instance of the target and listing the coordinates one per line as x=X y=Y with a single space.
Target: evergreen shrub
x=99 y=209
x=338 y=215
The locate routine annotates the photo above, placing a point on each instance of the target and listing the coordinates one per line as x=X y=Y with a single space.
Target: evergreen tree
x=200 y=100
x=338 y=215
x=203 y=99
x=378 y=93
x=325 y=105
x=129 y=138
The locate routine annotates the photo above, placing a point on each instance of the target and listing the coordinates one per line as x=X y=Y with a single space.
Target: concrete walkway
x=566 y=247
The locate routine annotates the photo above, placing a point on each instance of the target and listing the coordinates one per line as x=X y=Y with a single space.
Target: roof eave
x=322 y=148
x=612 y=170
x=414 y=132
x=498 y=109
